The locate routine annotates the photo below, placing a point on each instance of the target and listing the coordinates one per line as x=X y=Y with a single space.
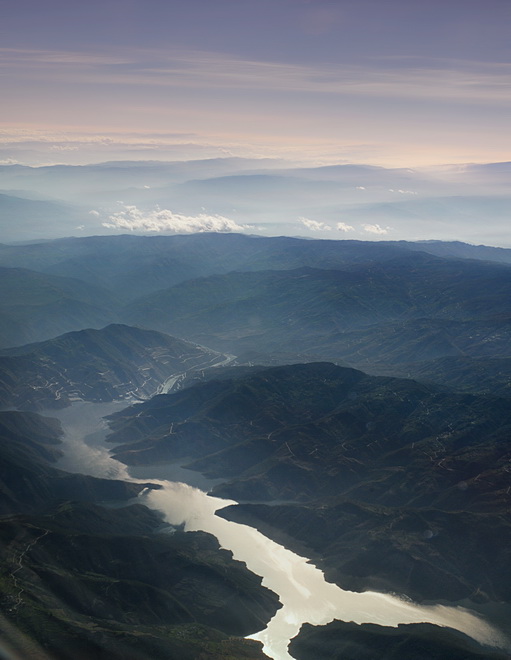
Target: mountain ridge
x=114 y=363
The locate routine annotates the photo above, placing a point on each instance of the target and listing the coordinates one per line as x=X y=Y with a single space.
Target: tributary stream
x=301 y=587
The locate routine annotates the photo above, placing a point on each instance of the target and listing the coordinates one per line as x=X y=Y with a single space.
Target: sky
x=392 y=83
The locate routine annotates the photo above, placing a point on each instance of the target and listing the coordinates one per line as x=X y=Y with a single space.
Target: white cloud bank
x=164 y=220
x=314 y=225
x=376 y=229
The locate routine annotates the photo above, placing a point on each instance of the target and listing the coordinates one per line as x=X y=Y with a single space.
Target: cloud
x=164 y=220
x=376 y=229
x=314 y=225
x=342 y=226
x=63 y=147
x=96 y=214
x=481 y=82
x=22 y=56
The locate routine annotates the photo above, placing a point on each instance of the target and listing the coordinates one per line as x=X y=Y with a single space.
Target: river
x=301 y=587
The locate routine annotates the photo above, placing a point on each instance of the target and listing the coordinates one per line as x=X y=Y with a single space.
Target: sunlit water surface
x=305 y=595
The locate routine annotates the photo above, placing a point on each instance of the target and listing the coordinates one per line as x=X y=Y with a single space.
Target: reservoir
x=300 y=586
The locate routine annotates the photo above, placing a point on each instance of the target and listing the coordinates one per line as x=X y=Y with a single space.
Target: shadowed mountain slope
x=390 y=478
x=36 y=306
x=303 y=431
x=117 y=362
x=347 y=641
x=29 y=482
x=132 y=266
x=82 y=581
x=381 y=317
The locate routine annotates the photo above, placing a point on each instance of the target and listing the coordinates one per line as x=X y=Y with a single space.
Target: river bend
x=301 y=587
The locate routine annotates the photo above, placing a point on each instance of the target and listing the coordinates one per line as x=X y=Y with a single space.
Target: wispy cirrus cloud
x=484 y=82
x=21 y=57
x=165 y=220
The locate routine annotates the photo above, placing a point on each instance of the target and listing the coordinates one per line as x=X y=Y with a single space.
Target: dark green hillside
x=28 y=482
x=481 y=375
x=79 y=580
x=308 y=308
x=229 y=414
x=425 y=553
x=347 y=641
x=393 y=317
x=470 y=355
x=117 y=593
x=25 y=218
x=303 y=431
x=132 y=266
x=114 y=363
x=398 y=486
x=424 y=339
x=457 y=249
x=270 y=310
x=35 y=306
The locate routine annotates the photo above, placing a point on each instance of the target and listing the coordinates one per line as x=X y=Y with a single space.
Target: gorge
x=305 y=595
x=362 y=425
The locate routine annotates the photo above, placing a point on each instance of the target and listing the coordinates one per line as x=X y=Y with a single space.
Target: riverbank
x=301 y=587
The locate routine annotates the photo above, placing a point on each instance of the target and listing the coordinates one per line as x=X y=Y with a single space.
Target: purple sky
x=389 y=82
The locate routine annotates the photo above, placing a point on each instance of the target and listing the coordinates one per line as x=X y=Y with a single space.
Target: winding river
x=301 y=587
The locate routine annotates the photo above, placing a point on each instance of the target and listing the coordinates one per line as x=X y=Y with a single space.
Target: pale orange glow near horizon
x=53 y=140
x=279 y=85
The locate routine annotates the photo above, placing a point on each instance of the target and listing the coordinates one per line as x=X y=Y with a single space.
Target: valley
x=353 y=402
x=255 y=330
x=302 y=590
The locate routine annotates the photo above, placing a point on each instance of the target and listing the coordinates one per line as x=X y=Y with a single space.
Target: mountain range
x=139 y=280
x=84 y=580
x=352 y=396
x=115 y=363
x=267 y=195
x=380 y=480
